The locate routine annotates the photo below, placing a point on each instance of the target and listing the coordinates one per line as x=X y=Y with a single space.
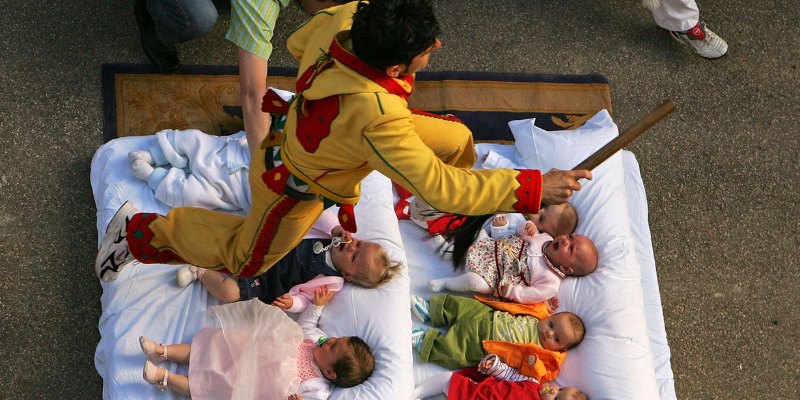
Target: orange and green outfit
x=347 y=120
x=478 y=328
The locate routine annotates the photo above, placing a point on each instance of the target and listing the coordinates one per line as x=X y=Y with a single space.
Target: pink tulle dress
x=253 y=355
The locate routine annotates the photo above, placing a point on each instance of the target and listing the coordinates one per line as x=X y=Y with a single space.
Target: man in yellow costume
x=350 y=117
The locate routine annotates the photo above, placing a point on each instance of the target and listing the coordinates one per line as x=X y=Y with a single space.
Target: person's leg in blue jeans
x=165 y=23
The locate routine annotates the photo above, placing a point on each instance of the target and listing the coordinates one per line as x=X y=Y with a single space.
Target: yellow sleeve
x=315 y=34
x=397 y=151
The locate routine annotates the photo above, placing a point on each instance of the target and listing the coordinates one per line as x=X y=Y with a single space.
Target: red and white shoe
x=702 y=41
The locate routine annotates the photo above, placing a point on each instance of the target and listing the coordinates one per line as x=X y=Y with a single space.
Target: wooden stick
x=627 y=136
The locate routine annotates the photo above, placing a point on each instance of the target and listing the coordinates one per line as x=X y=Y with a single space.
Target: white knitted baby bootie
x=188 y=274
x=143 y=155
x=141 y=169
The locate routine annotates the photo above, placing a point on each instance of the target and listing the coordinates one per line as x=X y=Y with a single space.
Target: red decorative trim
x=529 y=192
x=275 y=178
x=273 y=103
x=307 y=78
x=401 y=210
x=402 y=192
x=446 y=117
x=139 y=237
x=314 y=121
x=370 y=72
x=443 y=224
x=347 y=217
x=265 y=236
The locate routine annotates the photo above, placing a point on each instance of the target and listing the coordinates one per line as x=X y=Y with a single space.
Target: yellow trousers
x=277 y=222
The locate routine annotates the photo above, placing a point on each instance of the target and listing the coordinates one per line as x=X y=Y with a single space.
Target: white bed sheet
x=145 y=300
x=424 y=265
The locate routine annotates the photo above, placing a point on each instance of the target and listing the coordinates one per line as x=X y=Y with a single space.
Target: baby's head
x=556 y=220
x=346 y=361
x=561 y=331
x=549 y=391
x=574 y=255
x=363 y=263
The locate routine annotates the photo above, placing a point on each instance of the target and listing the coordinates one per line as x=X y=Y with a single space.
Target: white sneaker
x=419 y=307
x=185 y=276
x=702 y=41
x=113 y=255
x=416 y=337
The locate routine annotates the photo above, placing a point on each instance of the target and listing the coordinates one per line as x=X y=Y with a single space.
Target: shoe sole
x=690 y=47
x=105 y=265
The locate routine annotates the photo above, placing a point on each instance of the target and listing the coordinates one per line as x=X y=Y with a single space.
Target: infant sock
x=143 y=155
x=141 y=169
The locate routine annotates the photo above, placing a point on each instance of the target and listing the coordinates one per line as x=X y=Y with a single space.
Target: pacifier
x=335 y=242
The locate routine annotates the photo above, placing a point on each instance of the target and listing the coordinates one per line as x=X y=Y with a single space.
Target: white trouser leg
x=677 y=15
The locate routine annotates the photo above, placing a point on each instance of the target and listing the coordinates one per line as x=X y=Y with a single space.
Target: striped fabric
x=252 y=23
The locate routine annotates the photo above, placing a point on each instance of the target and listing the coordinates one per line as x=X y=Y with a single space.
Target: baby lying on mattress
x=261 y=353
x=526 y=267
x=492 y=380
x=327 y=256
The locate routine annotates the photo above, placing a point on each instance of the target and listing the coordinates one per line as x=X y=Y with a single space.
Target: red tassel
x=347 y=218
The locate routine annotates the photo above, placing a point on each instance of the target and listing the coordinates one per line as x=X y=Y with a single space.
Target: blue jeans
x=179 y=21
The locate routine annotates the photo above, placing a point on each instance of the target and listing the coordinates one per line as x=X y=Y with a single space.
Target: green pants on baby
x=470 y=322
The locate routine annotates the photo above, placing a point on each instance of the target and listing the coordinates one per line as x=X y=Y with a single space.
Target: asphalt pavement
x=719 y=172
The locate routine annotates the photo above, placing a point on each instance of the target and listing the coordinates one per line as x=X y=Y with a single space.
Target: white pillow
x=379 y=316
x=614 y=359
x=547 y=150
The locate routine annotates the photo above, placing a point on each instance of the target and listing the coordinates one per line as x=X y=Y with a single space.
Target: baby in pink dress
x=260 y=353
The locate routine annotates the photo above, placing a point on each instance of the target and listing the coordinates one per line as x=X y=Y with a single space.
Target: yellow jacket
x=351 y=118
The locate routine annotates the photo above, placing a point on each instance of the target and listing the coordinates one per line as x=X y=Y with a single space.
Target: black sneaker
x=164 y=57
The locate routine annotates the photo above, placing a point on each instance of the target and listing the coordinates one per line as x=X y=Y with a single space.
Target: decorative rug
x=139 y=101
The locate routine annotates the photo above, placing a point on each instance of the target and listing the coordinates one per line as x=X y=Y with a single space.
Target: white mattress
x=145 y=300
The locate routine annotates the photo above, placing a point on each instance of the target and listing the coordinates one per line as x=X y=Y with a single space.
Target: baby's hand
x=530 y=228
x=322 y=295
x=346 y=236
x=500 y=220
x=487 y=363
x=284 y=302
x=552 y=305
x=503 y=291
